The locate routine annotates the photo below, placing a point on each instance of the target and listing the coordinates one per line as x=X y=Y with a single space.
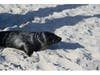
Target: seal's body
x=28 y=41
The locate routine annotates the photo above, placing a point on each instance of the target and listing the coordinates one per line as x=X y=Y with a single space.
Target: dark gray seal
x=28 y=41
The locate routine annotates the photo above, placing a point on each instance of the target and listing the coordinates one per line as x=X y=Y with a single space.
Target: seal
x=28 y=42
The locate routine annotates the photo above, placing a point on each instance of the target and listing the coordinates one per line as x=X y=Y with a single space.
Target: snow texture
x=78 y=25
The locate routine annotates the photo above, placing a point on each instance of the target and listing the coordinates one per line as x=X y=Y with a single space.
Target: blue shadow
x=64 y=45
x=9 y=20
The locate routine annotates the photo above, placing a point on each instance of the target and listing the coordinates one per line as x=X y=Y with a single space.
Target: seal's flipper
x=28 y=49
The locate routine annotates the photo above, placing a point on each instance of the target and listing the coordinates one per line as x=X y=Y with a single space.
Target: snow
x=78 y=25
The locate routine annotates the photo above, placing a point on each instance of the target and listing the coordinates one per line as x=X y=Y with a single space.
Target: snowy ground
x=78 y=25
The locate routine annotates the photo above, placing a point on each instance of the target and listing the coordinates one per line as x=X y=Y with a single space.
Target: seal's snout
x=52 y=38
x=56 y=39
x=59 y=39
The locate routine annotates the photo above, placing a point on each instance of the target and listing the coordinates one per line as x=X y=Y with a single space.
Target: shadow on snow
x=64 y=45
x=9 y=20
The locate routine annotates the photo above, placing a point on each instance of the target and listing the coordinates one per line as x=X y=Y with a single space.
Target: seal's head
x=52 y=38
